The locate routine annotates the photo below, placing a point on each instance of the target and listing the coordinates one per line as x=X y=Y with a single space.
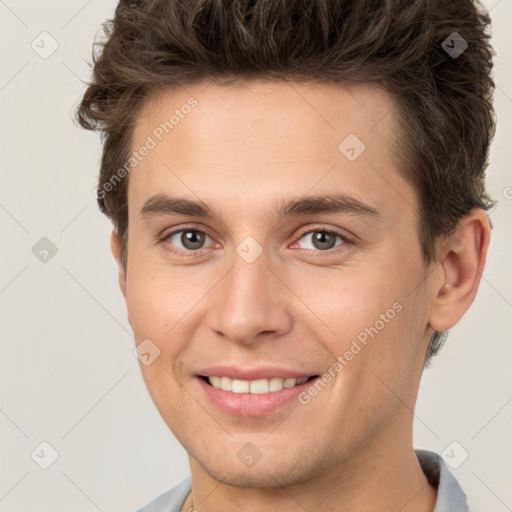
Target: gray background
x=68 y=374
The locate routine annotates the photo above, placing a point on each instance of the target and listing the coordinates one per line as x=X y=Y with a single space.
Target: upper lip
x=262 y=372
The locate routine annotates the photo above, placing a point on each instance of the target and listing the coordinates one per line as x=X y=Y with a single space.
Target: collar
x=450 y=496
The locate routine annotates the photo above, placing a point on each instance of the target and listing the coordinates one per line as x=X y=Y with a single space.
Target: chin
x=269 y=474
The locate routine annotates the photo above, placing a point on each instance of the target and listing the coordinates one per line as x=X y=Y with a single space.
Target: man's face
x=273 y=292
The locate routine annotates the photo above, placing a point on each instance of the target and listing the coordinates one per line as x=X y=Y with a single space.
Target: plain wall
x=68 y=374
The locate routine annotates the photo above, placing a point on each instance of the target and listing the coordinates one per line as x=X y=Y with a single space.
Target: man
x=297 y=192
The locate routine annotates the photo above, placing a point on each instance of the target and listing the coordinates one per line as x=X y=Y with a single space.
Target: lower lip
x=252 y=404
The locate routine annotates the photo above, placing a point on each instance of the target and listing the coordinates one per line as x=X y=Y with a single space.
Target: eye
x=190 y=239
x=322 y=239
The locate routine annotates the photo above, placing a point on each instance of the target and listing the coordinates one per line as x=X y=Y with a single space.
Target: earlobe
x=115 y=247
x=462 y=262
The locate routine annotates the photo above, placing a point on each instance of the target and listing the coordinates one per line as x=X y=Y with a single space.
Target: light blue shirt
x=450 y=496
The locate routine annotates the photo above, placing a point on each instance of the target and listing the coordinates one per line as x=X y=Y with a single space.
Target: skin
x=241 y=149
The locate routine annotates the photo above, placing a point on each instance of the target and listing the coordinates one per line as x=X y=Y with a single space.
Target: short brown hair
x=444 y=99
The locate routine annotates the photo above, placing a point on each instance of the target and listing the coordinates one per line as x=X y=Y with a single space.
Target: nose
x=251 y=303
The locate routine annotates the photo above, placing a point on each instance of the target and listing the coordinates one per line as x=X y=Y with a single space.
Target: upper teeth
x=254 y=386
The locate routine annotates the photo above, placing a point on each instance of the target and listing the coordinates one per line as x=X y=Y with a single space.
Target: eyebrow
x=162 y=204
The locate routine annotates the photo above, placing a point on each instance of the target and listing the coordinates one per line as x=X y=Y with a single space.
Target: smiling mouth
x=259 y=386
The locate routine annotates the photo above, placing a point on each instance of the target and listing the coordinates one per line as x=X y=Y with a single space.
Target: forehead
x=251 y=108
x=268 y=139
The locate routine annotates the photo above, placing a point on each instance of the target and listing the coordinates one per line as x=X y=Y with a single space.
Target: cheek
x=375 y=318
x=158 y=299
x=348 y=300
x=160 y=309
x=166 y=307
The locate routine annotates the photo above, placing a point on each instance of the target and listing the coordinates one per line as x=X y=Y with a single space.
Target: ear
x=115 y=246
x=461 y=260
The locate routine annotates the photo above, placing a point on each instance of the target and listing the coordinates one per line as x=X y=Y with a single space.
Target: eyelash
x=190 y=253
